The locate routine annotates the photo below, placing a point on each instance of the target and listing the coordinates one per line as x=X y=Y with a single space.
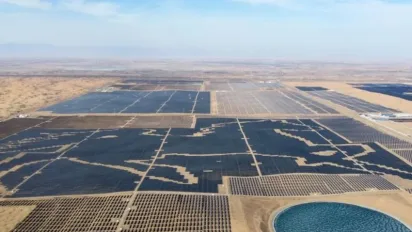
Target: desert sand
x=10 y=216
x=22 y=95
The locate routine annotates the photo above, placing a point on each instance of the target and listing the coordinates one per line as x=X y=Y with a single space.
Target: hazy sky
x=292 y=29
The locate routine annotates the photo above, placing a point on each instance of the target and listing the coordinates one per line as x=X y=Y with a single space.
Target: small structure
x=23 y=116
x=388 y=116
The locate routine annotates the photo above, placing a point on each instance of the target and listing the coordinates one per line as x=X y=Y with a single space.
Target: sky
x=378 y=30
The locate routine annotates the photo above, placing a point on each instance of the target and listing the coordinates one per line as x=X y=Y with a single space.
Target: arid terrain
x=22 y=95
x=11 y=216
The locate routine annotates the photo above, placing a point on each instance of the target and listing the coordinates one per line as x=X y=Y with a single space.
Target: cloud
x=320 y=4
x=35 y=4
x=302 y=2
x=349 y=12
x=103 y=9
x=274 y=2
x=100 y=9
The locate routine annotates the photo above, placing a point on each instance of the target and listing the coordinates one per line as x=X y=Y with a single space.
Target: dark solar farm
x=396 y=90
x=156 y=156
x=170 y=101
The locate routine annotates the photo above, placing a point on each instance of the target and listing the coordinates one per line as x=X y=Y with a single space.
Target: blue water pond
x=335 y=217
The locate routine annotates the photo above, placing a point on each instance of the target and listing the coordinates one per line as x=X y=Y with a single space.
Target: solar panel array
x=396 y=90
x=170 y=101
x=282 y=104
x=269 y=85
x=218 y=86
x=191 y=160
x=268 y=102
x=158 y=85
x=314 y=105
x=406 y=154
x=195 y=159
x=174 y=121
x=241 y=86
x=237 y=103
x=349 y=102
x=178 y=212
x=307 y=184
x=360 y=133
x=72 y=214
x=149 y=212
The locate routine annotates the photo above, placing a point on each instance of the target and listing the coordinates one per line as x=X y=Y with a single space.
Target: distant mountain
x=15 y=50
x=12 y=50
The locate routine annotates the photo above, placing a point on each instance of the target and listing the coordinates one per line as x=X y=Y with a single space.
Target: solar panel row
x=149 y=212
x=349 y=102
x=134 y=102
x=262 y=102
x=306 y=184
x=72 y=214
x=397 y=90
x=178 y=212
x=358 y=132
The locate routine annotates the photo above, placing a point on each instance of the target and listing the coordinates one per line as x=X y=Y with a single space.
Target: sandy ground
x=213 y=103
x=398 y=181
x=376 y=98
x=255 y=213
x=20 y=95
x=10 y=216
